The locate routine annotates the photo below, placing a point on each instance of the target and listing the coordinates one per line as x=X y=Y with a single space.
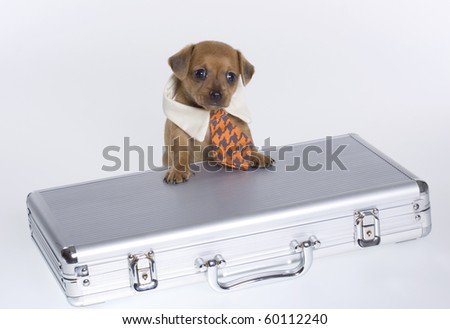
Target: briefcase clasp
x=367 y=228
x=143 y=271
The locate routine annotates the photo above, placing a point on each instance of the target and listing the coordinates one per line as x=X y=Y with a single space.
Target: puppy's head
x=209 y=73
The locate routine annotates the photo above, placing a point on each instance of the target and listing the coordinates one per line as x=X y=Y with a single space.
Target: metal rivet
x=294 y=245
x=418 y=217
x=369 y=233
x=416 y=206
x=375 y=211
x=145 y=276
x=200 y=264
x=220 y=261
x=316 y=243
x=86 y=282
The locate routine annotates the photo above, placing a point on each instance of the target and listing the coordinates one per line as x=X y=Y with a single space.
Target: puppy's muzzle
x=215 y=96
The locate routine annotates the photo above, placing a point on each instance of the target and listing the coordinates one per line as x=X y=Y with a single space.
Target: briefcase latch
x=367 y=228
x=143 y=271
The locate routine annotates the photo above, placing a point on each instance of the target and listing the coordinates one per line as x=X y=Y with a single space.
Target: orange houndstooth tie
x=231 y=147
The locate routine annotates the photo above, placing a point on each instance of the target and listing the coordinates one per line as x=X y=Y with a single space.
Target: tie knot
x=218 y=113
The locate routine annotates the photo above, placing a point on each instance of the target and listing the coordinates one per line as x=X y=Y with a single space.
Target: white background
x=77 y=76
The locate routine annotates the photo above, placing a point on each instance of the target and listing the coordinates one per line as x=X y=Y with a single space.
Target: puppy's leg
x=179 y=172
x=176 y=155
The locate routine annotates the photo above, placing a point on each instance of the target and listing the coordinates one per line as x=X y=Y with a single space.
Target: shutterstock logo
x=289 y=158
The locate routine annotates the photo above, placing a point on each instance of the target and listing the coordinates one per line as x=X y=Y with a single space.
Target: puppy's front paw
x=262 y=161
x=174 y=176
x=267 y=162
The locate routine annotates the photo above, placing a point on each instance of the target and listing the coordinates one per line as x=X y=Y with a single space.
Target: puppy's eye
x=200 y=74
x=231 y=76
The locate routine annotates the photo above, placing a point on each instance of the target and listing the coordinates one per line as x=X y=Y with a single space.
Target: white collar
x=195 y=121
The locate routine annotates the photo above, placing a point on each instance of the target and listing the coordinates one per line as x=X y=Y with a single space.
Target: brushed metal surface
x=141 y=204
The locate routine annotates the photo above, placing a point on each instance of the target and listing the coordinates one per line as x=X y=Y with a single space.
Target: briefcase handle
x=304 y=249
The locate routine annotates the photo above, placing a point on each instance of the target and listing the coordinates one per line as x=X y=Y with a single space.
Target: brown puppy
x=207 y=77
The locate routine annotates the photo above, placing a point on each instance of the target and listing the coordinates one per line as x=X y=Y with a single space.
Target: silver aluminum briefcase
x=133 y=233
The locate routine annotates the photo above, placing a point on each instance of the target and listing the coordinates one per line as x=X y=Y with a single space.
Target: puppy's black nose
x=215 y=95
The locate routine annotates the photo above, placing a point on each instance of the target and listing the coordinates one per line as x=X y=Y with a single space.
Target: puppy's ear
x=247 y=69
x=180 y=62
